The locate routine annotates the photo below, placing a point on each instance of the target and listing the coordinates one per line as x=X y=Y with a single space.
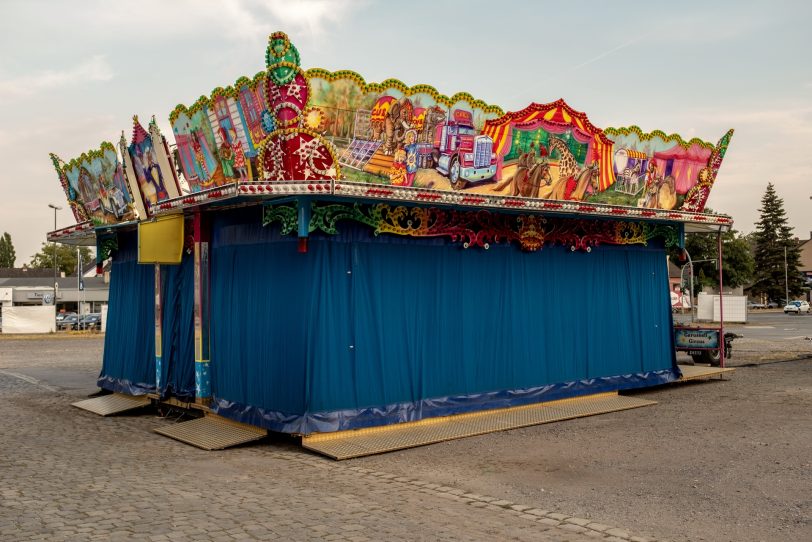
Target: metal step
x=212 y=432
x=115 y=403
x=700 y=372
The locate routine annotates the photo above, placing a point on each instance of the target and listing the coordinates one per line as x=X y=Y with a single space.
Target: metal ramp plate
x=115 y=403
x=212 y=432
x=361 y=442
x=699 y=372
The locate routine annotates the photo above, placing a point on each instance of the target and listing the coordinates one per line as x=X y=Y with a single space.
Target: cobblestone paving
x=70 y=475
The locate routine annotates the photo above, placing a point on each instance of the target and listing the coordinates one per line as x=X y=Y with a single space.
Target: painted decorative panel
x=96 y=187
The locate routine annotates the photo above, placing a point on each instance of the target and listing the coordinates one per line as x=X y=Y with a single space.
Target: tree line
x=755 y=260
x=66 y=261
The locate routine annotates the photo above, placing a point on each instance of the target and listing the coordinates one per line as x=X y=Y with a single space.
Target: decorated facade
x=95 y=186
x=357 y=254
x=150 y=173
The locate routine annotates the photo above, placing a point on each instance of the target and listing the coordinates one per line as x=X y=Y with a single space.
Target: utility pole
x=78 y=284
x=53 y=245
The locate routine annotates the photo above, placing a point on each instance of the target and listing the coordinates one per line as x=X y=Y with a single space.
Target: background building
x=25 y=286
x=805 y=266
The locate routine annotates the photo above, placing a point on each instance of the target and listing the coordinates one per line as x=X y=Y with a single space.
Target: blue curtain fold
x=177 y=330
x=363 y=330
x=128 y=365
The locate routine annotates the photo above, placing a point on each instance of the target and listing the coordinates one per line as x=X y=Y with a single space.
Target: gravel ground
x=716 y=460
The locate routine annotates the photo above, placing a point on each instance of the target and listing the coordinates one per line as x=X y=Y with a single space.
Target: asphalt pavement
x=767 y=336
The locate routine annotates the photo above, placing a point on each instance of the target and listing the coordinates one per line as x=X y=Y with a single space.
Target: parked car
x=753 y=305
x=62 y=315
x=69 y=321
x=797 y=307
x=90 y=321
x=772 y=305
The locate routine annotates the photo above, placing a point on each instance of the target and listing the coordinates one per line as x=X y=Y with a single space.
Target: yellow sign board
x=161 y=240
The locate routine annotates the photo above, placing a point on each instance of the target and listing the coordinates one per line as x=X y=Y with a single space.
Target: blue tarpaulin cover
x=177 y=330
x=128 y=365
x=364 y=330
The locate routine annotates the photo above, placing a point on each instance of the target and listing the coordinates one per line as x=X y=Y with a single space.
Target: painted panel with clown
x=219 y=136
x=148 y=167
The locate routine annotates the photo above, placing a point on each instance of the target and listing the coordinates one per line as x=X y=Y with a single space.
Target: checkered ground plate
x=699 y=372
x=349 y=444
x=212 y=432
x=115 y=403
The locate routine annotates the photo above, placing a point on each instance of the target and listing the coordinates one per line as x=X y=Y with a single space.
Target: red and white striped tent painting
x=636 y=155
x=554 y=117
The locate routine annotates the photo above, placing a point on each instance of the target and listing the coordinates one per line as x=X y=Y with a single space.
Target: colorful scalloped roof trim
x=643 y=136
x=319 y=73
x=228 y=92
x=89 y=155
x=259 y=78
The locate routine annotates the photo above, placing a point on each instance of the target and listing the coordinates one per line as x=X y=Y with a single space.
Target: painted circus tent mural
x=316 y=247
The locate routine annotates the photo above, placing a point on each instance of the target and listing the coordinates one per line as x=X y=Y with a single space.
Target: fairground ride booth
x=320 y=254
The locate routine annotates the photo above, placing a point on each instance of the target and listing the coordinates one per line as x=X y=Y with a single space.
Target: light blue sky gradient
x=72 y=74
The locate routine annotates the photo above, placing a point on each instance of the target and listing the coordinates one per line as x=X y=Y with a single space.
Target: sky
x=72 y=74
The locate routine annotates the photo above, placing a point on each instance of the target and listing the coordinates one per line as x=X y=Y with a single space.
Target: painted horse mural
x=528 y=179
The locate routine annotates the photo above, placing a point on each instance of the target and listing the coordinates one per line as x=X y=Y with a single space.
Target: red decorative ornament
x=296 y=156
x=287 y=102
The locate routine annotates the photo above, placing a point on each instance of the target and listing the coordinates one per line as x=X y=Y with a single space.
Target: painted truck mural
x=392 y=134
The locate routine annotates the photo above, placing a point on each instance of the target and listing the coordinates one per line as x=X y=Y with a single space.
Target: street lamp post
x=55 y=208
x=786 y=279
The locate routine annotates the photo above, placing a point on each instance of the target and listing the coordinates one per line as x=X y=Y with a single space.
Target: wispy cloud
x=608 y=52
x=232 y=20
x=311 y=16
x=95 y=68
x=715 y=24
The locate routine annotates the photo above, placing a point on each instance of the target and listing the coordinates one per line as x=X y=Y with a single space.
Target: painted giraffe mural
x=567 y=167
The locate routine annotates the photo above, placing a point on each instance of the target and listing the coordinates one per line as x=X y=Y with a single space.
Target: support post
x=53 y=247
x=721 y=305
x=303 y=207
x=202 y=374
x=158 y=331
x=691 y=266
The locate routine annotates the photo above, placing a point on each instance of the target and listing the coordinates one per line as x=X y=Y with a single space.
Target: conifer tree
x=7 y=254
x=772 y=236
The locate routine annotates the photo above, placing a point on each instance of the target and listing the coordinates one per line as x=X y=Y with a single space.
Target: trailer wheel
x=711 y=357
x=435 y=159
